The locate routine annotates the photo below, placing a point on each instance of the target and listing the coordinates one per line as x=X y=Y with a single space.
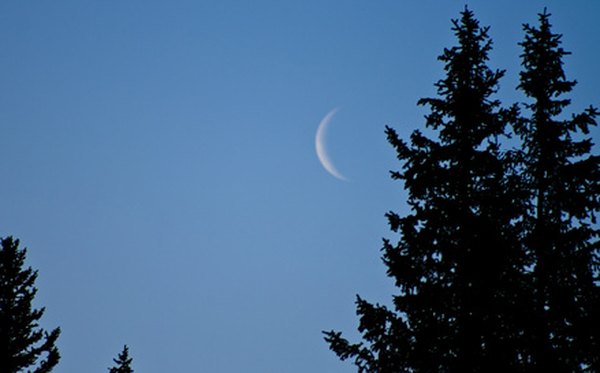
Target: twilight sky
x=158 y=161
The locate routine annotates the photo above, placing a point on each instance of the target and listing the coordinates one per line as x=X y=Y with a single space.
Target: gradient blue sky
x=158 y=161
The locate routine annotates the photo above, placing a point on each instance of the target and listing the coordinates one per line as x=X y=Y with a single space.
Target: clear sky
x=158 y=161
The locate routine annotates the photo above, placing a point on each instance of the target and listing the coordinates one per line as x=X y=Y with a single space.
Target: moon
x=322 y=150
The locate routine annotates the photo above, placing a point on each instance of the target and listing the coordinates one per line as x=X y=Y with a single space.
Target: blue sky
x=158 y=161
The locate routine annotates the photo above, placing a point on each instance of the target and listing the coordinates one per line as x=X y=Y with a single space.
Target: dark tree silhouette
x=23 y=344
x=457 y=265
x=123 y=362
x=563 y=180
x=498 y=262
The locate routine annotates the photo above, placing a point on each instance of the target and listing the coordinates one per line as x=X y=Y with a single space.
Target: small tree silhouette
x=23 y=344
x=123 y=362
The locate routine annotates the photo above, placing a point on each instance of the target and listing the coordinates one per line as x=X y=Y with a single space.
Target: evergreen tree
x=461 y=304
x=563 y=181
x=23 y=344
x=123 y=362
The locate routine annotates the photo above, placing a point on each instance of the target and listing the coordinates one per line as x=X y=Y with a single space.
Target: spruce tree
x=461 y=303
x=563 y=181
x=24 y=345
x=123 y=362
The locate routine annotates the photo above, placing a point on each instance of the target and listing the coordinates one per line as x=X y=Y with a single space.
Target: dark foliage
x=123 y=362
x=564 y=185
x=23 y=344
x=497 y=263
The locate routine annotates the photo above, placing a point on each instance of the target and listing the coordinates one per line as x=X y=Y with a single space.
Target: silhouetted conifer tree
x=563 y=180
x=23 y=344
x=123 y=362
x=459 y=269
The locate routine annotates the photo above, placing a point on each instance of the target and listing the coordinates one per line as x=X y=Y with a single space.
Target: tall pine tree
x=23 y=344
x=123 y=362
x=563 y=181
x=457 y=265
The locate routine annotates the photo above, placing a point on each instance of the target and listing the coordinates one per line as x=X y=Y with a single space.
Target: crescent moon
x=320 y=146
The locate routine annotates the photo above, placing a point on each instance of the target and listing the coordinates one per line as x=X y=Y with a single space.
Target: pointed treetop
x=123 y=362
x=23 y=343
